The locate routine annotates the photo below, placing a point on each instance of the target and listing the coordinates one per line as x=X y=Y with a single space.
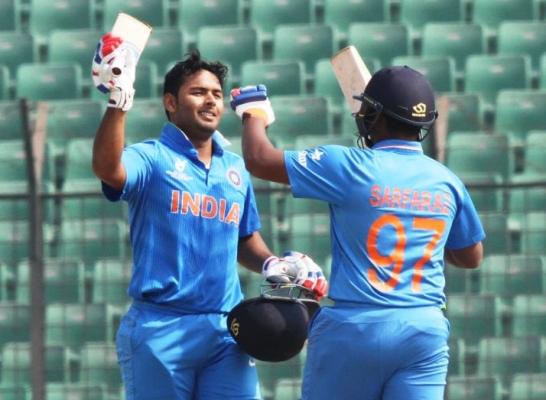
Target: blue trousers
x=361 y=353
x=164 y=355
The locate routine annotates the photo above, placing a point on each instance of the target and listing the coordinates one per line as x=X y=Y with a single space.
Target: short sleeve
x=466 y=229
x=250 y=220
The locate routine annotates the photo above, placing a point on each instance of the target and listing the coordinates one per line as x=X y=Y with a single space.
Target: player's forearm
x=108 y=147
x=469 y=257
x=252 y=252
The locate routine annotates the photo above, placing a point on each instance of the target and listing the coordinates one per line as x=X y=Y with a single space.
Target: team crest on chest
x=234 y=177
x=179 y=171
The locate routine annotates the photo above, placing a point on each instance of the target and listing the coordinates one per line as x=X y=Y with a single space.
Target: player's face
x=198 y=108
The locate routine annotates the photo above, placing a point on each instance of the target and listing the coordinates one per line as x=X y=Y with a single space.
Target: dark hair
x=189 y=66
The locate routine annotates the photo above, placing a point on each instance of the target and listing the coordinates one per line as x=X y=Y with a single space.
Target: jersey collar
x=174 y=137
x=399 y=146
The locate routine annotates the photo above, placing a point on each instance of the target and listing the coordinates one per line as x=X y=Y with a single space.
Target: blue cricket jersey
x=186 y=221
x=393 y=210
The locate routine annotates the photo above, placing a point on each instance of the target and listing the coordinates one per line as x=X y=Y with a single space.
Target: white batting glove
x=113 y=70
x=308 y=273
x=277 y=270
x=252 y=100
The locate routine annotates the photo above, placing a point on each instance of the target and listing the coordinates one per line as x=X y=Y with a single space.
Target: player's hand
x=277 y=270
x=308 y=273
x=113 y=70
x=252 y=100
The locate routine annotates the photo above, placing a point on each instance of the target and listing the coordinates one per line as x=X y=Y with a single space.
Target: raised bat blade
x=132 y=30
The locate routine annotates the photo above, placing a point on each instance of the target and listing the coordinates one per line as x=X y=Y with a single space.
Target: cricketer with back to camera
x=396 y=214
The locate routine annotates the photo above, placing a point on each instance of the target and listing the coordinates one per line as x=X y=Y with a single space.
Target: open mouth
x=207 y=115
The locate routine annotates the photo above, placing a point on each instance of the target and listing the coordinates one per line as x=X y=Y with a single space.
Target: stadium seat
x=231 y=126
x=488 y=74
x=14 y=322
x=309 y=141
x=11 y=122
x=5 y=83
x=74 y=324
x=464 y=112
x=280 y=77
x=509 y=275
x=535 y=152
x=472 y=387
x=459 y=280
x=146 y=85
x=7 y=283
x=456 y=40
x=299 y=115
x=9 y=15
x=525 y=38
x=73 y=46
x=14 y=240
x=479 y=152
x=307 y=43
x=91 y=203
x=529 y=315
x=61 y=364
x=309 y=233
x=498 y=238
x=542 y=72
x=48 y=15
x=474 y=316
x=528 y=387
x=382 y=41
x=457 y=355
x=165 y=46
x=271 y=373
x=16 y=48
x=480 y=185
x=146 y=120
x=533 y=235
x=518 y=112
x=153 y=12
x=416 y=13
x=524 y=199
x=287 y=389
x=231 y=44
x=76 y=391
x=78 y=160
x=267 y=15
x=490 y=13
x=440 y=71
x=507 y=356
x=49 y=81
x=99 y=365
x=15 y=392
x=193 y=14
x=341 y=13
x=13 y=160
x=63 y=280
x=110 y=281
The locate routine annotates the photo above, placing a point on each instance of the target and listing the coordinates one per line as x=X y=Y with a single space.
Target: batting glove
x=252 y=100
x=113 y=70
x=277 y=270
x=308 y=273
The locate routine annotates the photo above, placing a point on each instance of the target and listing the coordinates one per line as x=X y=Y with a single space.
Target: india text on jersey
x=205 y=206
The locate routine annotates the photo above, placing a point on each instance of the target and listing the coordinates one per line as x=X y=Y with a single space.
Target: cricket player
x=396 y=214
x=192 y=216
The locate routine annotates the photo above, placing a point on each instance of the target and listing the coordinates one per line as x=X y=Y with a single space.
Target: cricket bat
x=351 y=74
x=132 y=31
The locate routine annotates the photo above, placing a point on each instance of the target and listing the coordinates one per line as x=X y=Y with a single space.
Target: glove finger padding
x=276 y=270
x=252 y=100
x=309 y=274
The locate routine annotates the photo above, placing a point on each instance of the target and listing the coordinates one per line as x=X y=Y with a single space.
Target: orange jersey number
x=396 y=257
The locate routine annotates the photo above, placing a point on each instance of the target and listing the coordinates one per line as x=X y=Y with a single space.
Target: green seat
x=490 y=13
x=73 y=46
x=231 y=126
x=49 y=81
x=382 y=41
x=341 y=13
x=486 y=75
x=485 y=196
x=509 y=275
x=464 y=112
x=307 y=43
x=440 y=71
x=7 y=283
x=99 y=365
x=74 y=324
x=416 y=13
x=110 y=281
x=193 y=14
x=63 y=280
x=474 y=316
x=309 y=141
x=151 y=12
x=76 y=391
x=48 y=15
x=535 y=152
x=11 y=122
x=13 y=160
x=266 y=15
x=230 y=44
x=542 y=72
x=480 y=152
x=533 y=235
x=458 y=280
x=498 y=239
x=91 y=203
x=5 y=83
x=529 y=315
x=146 y=122
x=280 y=77
x=528 y=387
x=271 y=373
x=309 y=233
x=525 y=199
x=457 y=355
x=14 y=322
x=146 y=85
x=525 y=37
x=456 y=40
x=16 y=48
x=472 y=387
x=15 y=392
x=298 y=115
x=15 y=239
x=61 y=364
x=287 y=389
x=165 y=46
x=507 y=356
x=78 y=159
x=520 y=111
x=9 y=15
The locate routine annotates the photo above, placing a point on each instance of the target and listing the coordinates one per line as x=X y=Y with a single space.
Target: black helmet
x=400 y=93
x=273 y=326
